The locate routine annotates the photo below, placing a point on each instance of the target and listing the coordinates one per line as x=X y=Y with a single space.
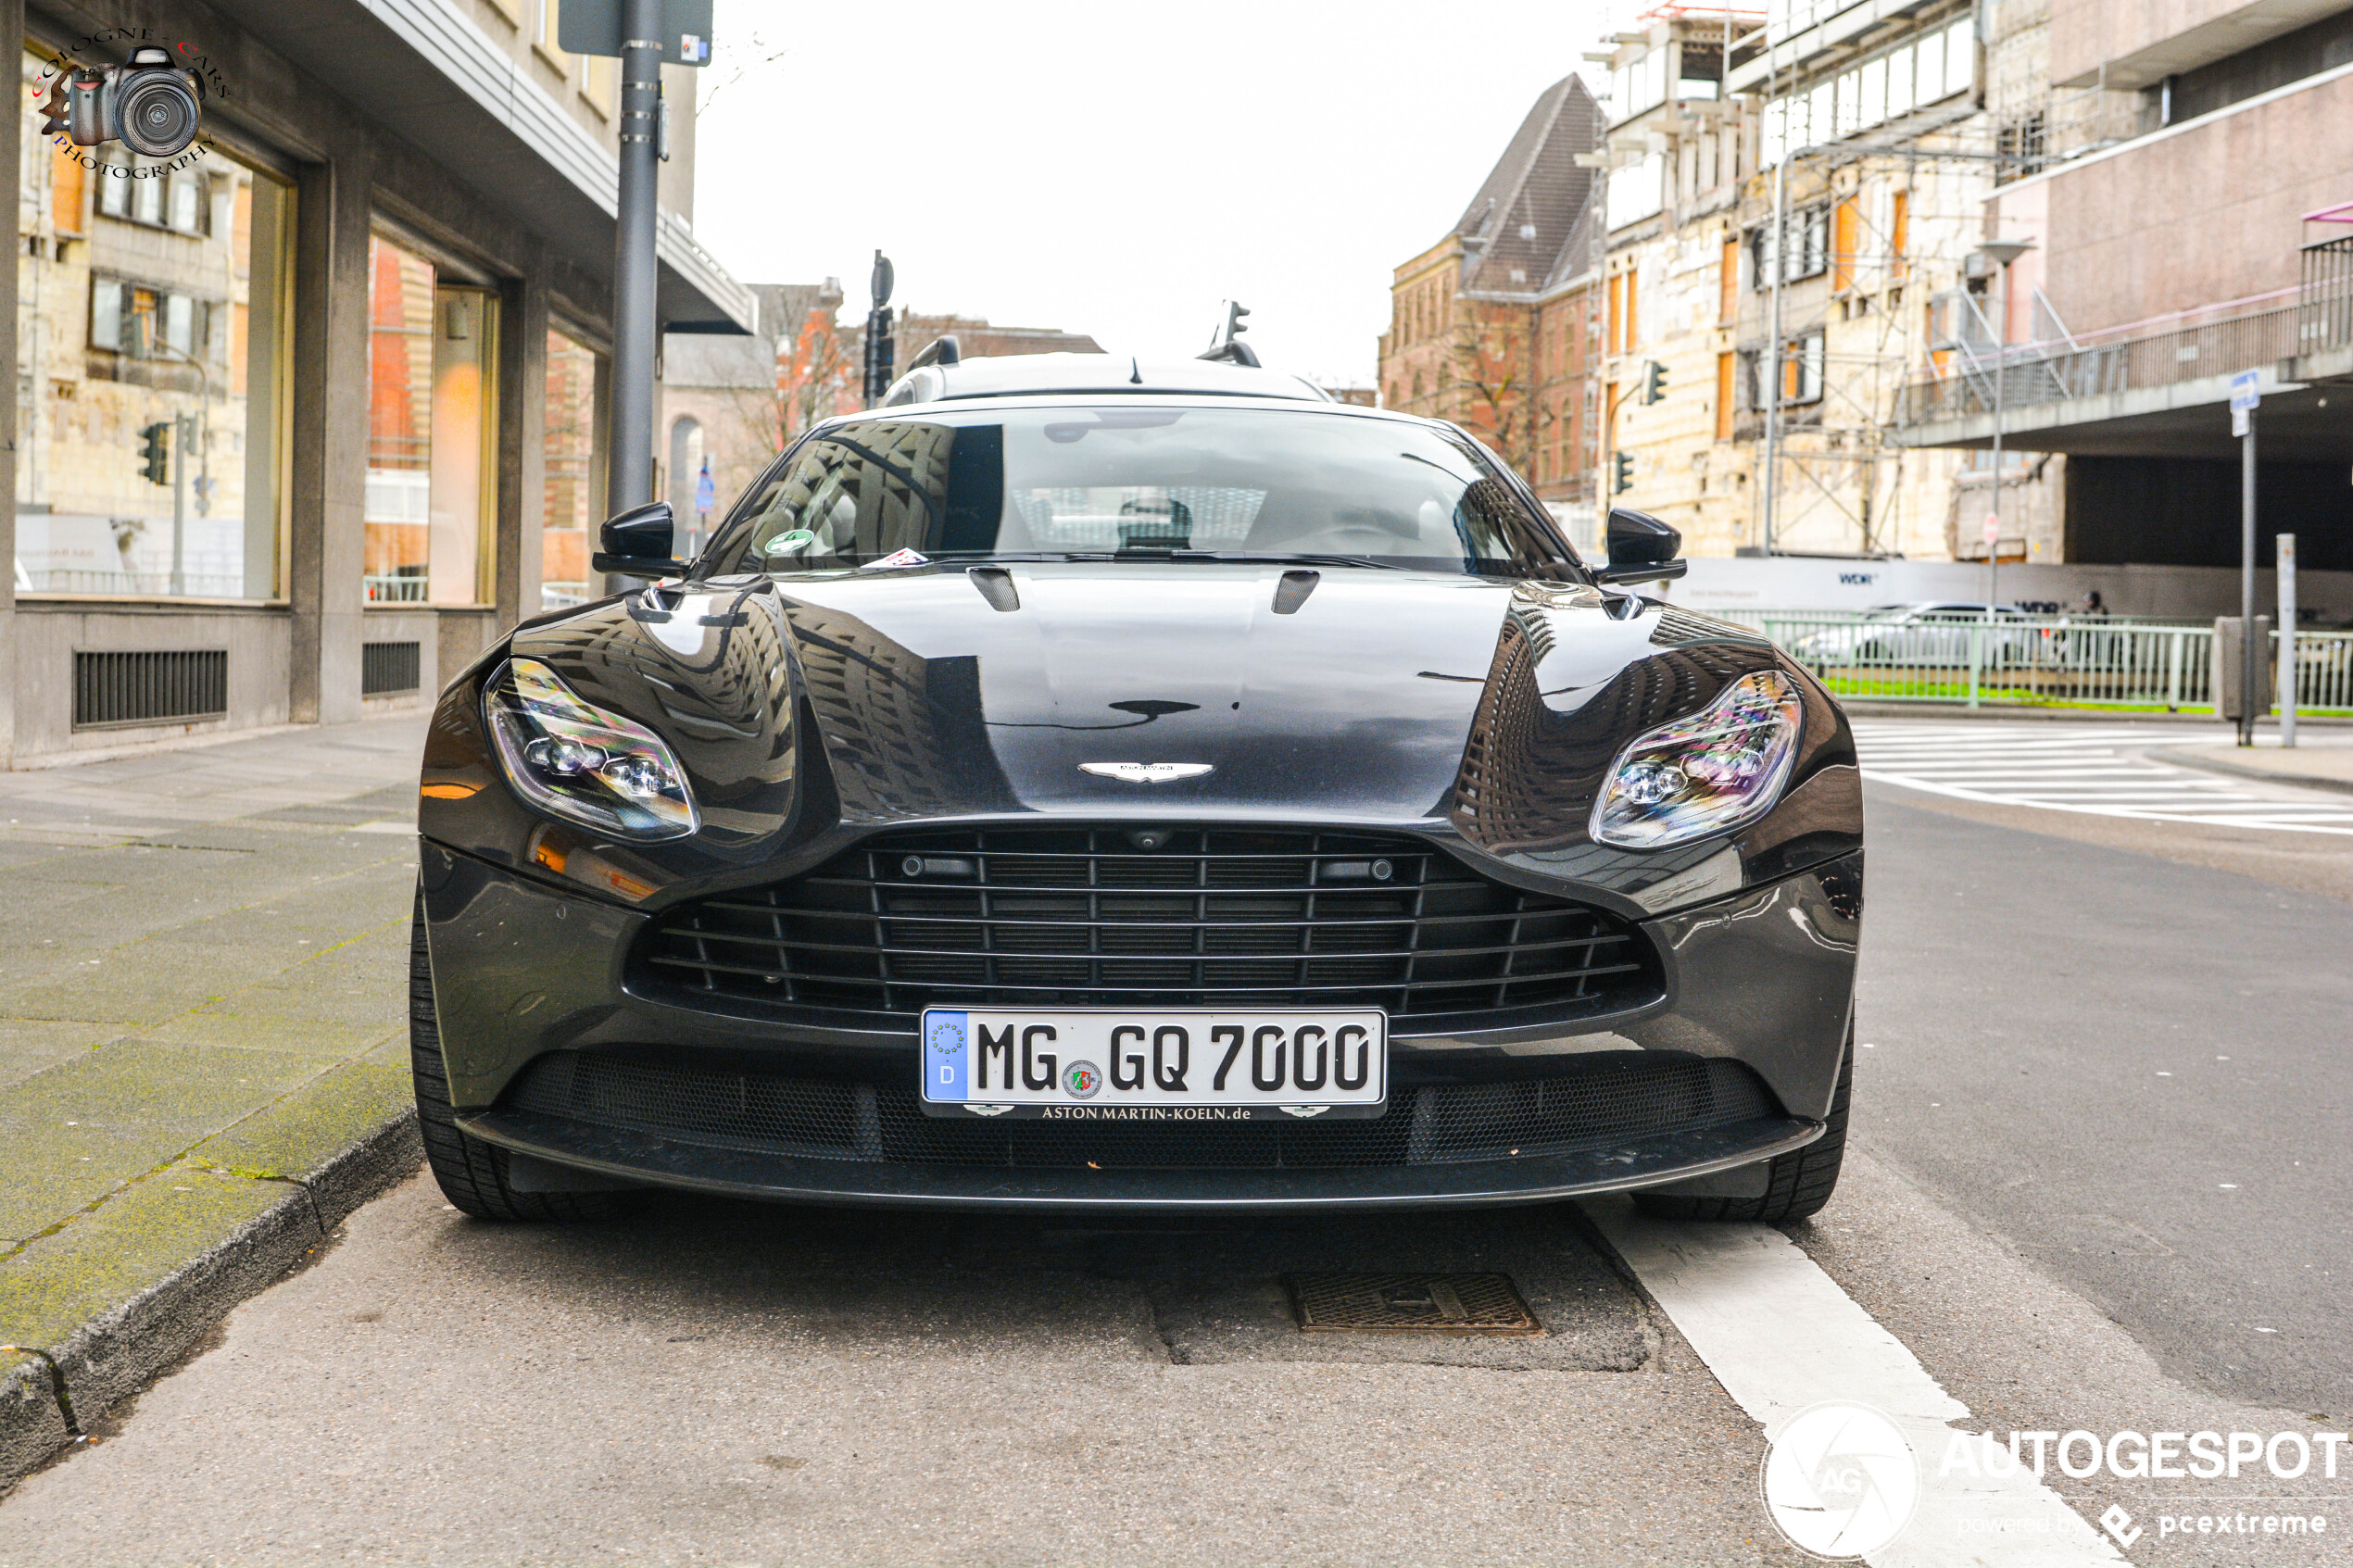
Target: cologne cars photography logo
x=1839 y=1480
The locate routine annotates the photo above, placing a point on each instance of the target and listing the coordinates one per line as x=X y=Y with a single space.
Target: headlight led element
x=1716 y=769
x=579 y=762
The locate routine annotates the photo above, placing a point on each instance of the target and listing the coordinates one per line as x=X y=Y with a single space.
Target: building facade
x=2190 y=216
x=1794 y=197
x=304 y=417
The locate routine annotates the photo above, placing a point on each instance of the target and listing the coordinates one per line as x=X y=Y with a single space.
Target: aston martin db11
x=1074 y=781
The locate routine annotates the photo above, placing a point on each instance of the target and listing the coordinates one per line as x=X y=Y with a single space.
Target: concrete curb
x=116 y=1353
x=2181 y=758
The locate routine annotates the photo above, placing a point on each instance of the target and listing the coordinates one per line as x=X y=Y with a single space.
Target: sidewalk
x=203 y=1044
x=2321 y=761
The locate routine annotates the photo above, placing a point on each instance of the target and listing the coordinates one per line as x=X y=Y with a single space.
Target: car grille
x=1605 y=1099
x=1087 y=917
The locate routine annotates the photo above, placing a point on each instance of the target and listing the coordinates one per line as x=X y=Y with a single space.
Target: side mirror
x=637 y=543
x=1641 y=549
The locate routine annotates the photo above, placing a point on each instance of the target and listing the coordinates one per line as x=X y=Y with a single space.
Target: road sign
x=593 y=27
x=2243 y=399
x=1993 y=529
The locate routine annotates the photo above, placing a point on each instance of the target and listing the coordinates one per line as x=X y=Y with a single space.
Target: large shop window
x=155 y=311
x=575 y=473
x=432 y=346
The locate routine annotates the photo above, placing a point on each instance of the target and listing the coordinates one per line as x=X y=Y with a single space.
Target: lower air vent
x=1603 y=1099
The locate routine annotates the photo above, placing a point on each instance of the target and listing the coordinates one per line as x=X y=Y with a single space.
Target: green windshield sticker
x=790 y=544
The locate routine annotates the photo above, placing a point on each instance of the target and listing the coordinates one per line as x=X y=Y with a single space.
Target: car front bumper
x=1763 y=978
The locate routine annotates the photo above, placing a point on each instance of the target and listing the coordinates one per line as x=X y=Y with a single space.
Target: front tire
x=472 y=1173
x=1797 y=1184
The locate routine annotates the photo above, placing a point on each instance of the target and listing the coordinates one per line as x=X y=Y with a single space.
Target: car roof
x=1100 y=375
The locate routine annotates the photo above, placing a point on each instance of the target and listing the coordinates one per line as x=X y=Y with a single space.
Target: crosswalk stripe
x=1780 y=1335
x=2100 y=771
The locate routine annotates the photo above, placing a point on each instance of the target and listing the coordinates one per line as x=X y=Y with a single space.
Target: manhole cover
x=1410 y=1303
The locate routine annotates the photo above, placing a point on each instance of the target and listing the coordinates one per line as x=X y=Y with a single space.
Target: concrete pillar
x=522 y=449
x=329 y=435
x=11 y=155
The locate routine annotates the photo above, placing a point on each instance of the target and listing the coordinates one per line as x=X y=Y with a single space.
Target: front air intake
x=1085 y=917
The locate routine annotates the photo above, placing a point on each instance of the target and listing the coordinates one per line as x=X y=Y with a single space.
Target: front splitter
x=637 y=1159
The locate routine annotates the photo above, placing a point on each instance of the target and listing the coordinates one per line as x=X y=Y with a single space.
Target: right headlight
x=1716 y=769
x=573 y=760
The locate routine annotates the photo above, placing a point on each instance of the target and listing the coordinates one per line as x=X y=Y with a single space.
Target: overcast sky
x=1117 y=169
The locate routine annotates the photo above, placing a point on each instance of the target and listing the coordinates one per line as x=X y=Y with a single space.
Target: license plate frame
x=1131 y=1083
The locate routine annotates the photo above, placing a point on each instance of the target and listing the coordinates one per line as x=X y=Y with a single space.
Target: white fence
x=2036 y=660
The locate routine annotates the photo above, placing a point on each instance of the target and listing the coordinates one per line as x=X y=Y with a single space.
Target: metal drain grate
x=1410 y=1303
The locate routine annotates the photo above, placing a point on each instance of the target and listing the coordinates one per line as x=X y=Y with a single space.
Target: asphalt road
x=2090 y=1039
x=2060 y=1198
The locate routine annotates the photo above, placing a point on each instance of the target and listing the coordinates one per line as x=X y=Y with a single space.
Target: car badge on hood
x=1147 y=773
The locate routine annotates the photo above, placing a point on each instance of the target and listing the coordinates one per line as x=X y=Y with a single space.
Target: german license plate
x=1172 y=1065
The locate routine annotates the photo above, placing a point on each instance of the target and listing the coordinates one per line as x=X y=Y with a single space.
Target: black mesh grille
x=1079 y=917
x=1604 y=1098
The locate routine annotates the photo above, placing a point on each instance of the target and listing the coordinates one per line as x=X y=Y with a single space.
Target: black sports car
x=1074 y=781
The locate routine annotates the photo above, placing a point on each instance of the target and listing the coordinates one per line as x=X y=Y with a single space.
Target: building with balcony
x=2195 y=223
x=304 y=418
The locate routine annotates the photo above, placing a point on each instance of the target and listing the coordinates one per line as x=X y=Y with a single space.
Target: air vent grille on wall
x=389 y=668
x=149 y=686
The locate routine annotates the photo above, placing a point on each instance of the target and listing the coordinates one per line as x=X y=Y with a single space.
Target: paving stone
x=28 y=1045
x=74 y=1131
x=222 y=1026
x=308 y=1129
x=125 y=1245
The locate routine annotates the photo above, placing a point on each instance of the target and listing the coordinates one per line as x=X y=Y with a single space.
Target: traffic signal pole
x=180 y=428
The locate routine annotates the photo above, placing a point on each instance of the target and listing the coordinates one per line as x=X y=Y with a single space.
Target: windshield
x=1140 y=484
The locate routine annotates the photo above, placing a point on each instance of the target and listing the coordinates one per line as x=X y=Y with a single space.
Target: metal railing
x=128 y=585
x=395 y=587
x=2325 y=314
x=2320 y=318
x=2051 y=373
x=2036 y=660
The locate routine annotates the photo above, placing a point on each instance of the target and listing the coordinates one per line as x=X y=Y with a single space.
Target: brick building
x=1495 y=327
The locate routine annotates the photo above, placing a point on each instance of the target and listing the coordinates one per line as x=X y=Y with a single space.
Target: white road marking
x=1780 y=1336
x=2101 y=770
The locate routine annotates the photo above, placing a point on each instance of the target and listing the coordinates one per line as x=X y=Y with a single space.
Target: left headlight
x=1716 y=769
x=575 y=760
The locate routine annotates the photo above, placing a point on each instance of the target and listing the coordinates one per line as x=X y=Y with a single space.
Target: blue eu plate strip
x=945 y=1060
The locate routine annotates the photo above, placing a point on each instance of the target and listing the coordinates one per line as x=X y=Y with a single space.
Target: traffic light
x=155 y=456
x=1654 y=382
x=1622 y=474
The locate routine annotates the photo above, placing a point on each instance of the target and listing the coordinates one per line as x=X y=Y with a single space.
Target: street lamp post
x=2001 y=253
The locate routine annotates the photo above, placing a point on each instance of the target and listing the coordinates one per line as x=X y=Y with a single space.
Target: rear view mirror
x=637 y=543
x=1641 y=549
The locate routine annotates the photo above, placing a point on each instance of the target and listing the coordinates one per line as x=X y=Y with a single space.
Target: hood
x=802 y=706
